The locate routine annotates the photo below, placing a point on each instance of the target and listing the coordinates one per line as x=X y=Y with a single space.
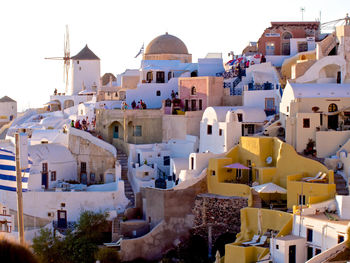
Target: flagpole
x=19 y=193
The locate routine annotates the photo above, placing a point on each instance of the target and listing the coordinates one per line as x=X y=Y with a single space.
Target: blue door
x=83 y=178
x=116 y=132
x=61 y=218
x=44 y=179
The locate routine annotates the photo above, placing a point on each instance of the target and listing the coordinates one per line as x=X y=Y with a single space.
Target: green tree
x=79 y=246
x=47 y=247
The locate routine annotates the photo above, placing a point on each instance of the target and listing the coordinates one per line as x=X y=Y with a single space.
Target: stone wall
x=97 y=159
x=222 y=213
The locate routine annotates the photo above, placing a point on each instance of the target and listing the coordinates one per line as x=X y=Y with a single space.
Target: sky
x=115 y=31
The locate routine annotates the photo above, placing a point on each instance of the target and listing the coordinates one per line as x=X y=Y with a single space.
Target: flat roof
x=323 y=217
x=289 y=237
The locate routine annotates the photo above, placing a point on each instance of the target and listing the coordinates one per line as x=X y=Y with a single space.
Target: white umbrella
x=269 y=188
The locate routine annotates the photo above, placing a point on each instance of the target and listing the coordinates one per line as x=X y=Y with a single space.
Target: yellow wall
x=313 y=192
x=285 y=162
x=244 y=254
x=269 y=219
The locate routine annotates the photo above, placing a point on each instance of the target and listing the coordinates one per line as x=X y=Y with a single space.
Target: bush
x=107 y=255
x=79 y=246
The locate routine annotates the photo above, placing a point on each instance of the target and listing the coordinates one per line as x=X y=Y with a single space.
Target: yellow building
x=270 y=160
x=264 y=223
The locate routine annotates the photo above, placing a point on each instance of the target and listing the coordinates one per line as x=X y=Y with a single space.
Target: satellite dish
x=269 y=160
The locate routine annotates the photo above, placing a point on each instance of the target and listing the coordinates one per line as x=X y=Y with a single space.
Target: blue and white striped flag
x=8 y=172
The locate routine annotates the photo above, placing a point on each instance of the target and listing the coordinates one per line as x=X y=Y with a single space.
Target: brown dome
x=166 y=44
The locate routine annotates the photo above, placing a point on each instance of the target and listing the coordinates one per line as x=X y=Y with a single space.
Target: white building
x=85 y=74
x=166 y=58
x=159 y=160
x=318 y=230
x=319 y=112
x=259 y=87
x=262 y=88
x=7 y=222
x=52 y=163
x=8 y=110
x=221 y=127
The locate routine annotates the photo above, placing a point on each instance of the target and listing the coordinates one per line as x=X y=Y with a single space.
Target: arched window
x=287 y=35
x=193 y=91
x=286 y=43
x=332 y=107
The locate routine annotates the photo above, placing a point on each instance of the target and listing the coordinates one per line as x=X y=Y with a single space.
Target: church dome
x=166 y=44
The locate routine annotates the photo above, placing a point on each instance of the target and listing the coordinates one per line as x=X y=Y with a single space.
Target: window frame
x=209 y=129
x=137 y=131
x=306 y=123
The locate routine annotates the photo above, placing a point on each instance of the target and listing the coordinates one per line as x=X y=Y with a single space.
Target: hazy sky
x=115 y=31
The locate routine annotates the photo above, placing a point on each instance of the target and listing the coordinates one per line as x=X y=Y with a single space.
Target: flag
x=8 y=172
x=141 y=50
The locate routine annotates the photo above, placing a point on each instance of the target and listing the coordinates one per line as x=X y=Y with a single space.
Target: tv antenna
x=302 y=10
x=66 y=57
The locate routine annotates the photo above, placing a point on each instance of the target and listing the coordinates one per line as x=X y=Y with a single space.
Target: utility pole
x=19 y=191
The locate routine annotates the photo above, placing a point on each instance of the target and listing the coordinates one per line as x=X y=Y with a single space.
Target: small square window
x=277 y=246
x=220 y=132
x=158 y=93
x=166 y=160
x=240 y=117
x=209 y=129
x=306 y=123
x=138 y=131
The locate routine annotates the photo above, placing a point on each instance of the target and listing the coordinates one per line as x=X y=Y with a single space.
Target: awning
x=269 y=188
x=52 y=102
x=236 y=166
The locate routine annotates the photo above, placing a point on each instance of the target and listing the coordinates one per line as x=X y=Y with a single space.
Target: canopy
x=269 y=188
x=52 y=102
x=236 y=166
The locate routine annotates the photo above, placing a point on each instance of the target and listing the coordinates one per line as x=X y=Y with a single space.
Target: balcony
x=266 y=86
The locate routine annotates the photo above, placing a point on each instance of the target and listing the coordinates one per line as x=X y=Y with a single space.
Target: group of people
x=85 y=125
x=140 y=105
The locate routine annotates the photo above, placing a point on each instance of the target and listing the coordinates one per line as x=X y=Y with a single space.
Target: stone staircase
x=123 y=160
x=116 y=227
x=341 y=187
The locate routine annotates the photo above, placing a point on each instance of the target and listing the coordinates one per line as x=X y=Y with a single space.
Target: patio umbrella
x=237 y=166
x=269 y=188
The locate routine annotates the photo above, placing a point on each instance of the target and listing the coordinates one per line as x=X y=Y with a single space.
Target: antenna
x=302 y=10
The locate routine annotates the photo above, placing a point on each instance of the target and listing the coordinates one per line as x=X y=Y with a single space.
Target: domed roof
x=166 y=44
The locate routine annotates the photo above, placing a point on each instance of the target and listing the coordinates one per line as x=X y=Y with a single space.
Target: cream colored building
x=320 y=112
x=328 y=64
x=8 y=110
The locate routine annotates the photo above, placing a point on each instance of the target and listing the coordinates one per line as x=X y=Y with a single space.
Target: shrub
x=107 y=255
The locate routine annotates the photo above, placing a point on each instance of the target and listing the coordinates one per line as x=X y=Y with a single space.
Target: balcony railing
x=265 y=86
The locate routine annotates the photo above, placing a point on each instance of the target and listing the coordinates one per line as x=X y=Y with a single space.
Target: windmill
x=66 y=58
